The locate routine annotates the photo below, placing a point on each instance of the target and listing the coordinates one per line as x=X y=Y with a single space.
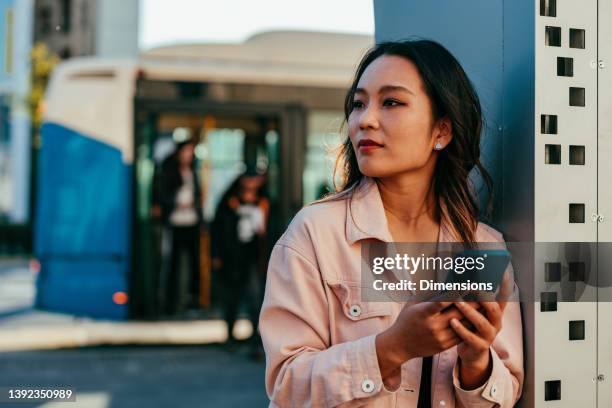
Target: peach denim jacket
x=319 y=336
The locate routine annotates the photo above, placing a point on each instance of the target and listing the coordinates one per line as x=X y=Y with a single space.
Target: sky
x=175 y=21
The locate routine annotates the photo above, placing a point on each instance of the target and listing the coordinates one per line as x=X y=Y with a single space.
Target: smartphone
x=493 y=263
x=489 y=267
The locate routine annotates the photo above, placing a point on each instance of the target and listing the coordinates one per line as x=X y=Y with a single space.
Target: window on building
x=84 y=14
x=66 y=15
x=44 y=21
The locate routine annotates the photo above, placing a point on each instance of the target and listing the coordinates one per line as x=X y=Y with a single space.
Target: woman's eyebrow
x=386 y=88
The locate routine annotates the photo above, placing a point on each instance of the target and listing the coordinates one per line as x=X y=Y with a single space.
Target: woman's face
x=391 y=125
x=185 y=155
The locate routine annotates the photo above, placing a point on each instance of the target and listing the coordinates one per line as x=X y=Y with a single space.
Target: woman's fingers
x=437 y=307
x=451 y=312
x=494 y=313
x=449 y=338
x=471 y=339
x=480 y=322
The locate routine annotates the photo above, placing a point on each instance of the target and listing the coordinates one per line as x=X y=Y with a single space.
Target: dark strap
x=425 y=388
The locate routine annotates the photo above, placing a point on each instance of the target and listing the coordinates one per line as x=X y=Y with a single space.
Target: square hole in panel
x=552 y=272
x=576 y=38
x=552 y=390
x=576 y=96
x=552 y=36
x=548 y=8
x=577 y=272
x=565 y=66
x=576 y=213
x=552 y=154
x=576 y=330
x=576 y=155
x=548 y=124
x=548 y=302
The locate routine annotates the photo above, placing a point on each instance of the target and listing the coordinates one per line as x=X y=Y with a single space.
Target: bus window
x=322 y=145
x=223 y=158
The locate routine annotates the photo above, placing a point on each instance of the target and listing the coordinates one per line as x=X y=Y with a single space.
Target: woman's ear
x=443 y=133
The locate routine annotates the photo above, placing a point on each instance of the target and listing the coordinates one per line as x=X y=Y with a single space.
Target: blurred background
x=151 y=153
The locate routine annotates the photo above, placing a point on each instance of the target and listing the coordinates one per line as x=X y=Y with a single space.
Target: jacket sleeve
x=302 y=368
x=504 y=386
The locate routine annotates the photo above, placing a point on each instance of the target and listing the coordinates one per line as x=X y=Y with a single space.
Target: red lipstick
x=367 y=145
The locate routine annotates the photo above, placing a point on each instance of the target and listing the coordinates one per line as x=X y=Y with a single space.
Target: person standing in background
x=238 y=233
x=180 y=199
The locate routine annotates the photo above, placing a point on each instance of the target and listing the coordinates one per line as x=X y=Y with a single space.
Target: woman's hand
x=420 y=330
x=474 y=350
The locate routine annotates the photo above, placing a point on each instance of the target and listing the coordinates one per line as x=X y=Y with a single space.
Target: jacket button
x=494 y=390
x=355 y=311
x=367 y=386
x=442 y=403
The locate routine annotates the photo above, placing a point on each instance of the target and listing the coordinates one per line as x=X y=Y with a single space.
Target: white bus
x=272 y=102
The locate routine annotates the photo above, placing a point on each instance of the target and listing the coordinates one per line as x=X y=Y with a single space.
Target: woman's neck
x=410 y=208
x=409 y=199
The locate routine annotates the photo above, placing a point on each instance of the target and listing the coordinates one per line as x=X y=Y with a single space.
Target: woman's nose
x=368 y=118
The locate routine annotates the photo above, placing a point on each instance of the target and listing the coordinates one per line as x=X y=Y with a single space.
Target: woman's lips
x=365 y=145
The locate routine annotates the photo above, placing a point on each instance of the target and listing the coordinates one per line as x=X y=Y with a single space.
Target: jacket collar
x=366 y=219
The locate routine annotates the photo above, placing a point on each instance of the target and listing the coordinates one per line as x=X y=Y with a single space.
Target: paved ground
x=206 y=376
x=38 y=348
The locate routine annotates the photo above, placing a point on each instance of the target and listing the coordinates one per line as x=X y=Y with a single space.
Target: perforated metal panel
x=566 y=188
x=604 y=105
x=560 y=185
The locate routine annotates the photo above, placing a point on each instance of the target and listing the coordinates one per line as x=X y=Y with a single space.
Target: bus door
x=229 y=142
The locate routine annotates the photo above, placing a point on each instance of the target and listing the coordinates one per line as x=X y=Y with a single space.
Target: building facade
x=15 y=42
x=72 y=28
x=67 y=27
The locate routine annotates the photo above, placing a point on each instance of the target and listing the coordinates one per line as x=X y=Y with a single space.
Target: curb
x=92 y=333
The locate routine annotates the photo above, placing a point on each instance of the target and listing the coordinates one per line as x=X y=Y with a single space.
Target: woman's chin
x=373 y=171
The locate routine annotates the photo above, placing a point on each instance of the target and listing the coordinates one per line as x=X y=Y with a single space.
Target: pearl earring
x=438 y=146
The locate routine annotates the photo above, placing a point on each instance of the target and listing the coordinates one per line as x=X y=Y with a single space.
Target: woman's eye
x=357 y=104
x=392 y=102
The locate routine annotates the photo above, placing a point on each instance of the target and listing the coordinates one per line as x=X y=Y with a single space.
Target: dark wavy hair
x=452 y=96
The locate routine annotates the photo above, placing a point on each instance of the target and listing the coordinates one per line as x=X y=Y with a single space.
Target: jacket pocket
x=353 y=306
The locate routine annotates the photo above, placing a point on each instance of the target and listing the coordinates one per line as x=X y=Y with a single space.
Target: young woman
x=414 y=124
